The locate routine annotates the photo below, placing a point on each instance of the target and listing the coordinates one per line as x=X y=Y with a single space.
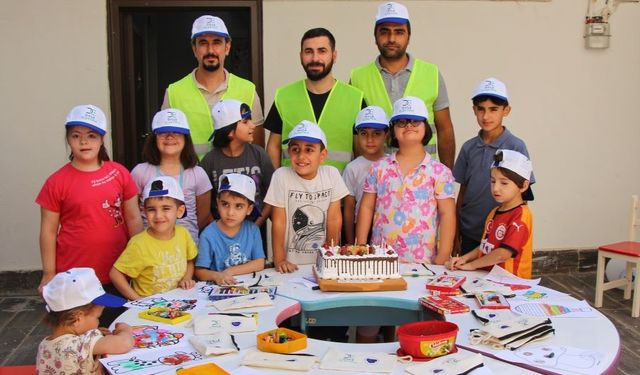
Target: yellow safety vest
x=423 y=83
x=336 y=120
x=186 y=96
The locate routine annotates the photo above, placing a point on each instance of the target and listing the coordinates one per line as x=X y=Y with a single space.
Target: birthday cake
x=354 y=262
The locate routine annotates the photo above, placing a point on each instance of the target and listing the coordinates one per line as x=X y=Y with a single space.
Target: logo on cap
x=368 y=114
x=90 y=114
x=489 y=86
x=172 y=117
x=406 y=105
x=157 y=189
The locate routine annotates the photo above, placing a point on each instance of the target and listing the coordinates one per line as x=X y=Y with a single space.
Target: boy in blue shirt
x=232 y=244
x=473 y=165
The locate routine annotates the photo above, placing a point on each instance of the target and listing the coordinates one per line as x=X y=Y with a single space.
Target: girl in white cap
x=89 y=207
x=408 y=196
x=75 y=300
x=169 y=151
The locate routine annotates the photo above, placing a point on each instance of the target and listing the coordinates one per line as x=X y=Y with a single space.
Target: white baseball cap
x=491 y=87
x=209 y=25
x=228 y=112
x=170 y=120
x=410 y=108
x=164 y=186
x=515 y=162
x=240 y=183
x=372 y=117
x=77 y=287
x=307 y=131
x=88 y=115
x=518 y=164
x=392 y=12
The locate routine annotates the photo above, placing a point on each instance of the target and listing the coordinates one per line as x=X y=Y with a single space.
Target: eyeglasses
x=404 y=123
x=167 y=135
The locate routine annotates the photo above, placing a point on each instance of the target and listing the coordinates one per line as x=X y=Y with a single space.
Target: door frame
x=121 y=81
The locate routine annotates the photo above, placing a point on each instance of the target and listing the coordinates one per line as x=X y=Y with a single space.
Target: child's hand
x=105 y=331
x=187 y=283
x=225 y=278
x=455 y=263
x=466 y=267
x=122 y=328
x=286 y=267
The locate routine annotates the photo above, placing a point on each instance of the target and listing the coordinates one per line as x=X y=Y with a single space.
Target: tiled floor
x=21 y=329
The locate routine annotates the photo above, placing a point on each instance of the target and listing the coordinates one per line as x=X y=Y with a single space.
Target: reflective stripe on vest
x=186 y=96
x=423 y=83
x=336 y=120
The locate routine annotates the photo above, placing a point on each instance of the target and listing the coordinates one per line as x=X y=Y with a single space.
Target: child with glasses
x=408 y=197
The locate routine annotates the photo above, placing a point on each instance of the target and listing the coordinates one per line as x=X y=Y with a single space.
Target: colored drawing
x=153 y=362
x=154 y=302
x=149 y=337
x=533 y=295
x=569 y=309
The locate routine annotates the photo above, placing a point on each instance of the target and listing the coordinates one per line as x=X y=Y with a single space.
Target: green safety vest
x=336 y=120
x=186 y=96
x=423 y=83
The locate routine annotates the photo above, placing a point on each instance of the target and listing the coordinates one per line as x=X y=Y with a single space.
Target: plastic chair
x=628 y=251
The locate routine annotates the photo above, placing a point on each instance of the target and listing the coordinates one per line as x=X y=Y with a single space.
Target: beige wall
x=54 y=57
x=574 y=107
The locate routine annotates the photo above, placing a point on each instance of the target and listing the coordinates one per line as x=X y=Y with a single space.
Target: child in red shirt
x=507 y=238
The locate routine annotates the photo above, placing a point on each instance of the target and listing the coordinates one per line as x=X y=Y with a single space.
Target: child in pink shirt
x=409 y=196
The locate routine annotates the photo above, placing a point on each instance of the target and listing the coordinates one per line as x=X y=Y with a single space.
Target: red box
x=446 y=284
x=443 y=304
x=492 y=300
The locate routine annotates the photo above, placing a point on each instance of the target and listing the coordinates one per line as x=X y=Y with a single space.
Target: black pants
x=467 y=244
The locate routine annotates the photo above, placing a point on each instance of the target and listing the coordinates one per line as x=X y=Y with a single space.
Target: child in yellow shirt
x=160 y=258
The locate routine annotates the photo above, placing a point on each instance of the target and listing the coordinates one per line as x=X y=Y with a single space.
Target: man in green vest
x=396 y=74
x=321 y=99
x=207 y=84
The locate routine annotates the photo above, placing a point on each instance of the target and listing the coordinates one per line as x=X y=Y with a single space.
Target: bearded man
x=320 y=98
x=396 y=74
x=210 y=82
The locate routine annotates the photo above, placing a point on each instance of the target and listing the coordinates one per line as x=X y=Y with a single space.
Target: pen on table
x=315 y=287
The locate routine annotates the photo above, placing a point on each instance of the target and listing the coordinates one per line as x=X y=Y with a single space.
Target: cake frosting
x=353 y=262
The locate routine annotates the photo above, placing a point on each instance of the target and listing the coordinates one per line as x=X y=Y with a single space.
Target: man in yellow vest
x=321 y=99
x=207 y=84
x=396 y=74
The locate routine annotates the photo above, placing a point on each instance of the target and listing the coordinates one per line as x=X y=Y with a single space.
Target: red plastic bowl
x=428 y=339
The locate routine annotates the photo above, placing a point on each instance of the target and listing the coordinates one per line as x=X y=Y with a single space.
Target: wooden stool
x=628 y=251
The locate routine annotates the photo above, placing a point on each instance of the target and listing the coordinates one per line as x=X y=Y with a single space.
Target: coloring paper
x=502 y=276
x=246 y=301
x=538 y=294
x=555 y=308
x=476 y=285
x=559 y=359
x=152 y=361
x=160 y=301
